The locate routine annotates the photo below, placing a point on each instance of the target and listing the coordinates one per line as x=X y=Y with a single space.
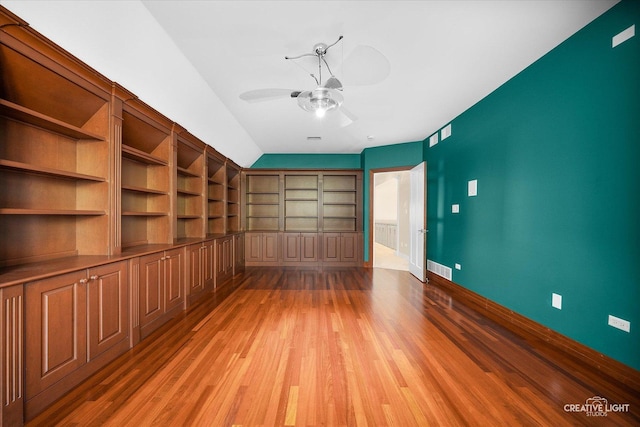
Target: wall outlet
x=556 y=301
x=455 y=208
x=458 y=266
x=472 y=188
x=616 y=322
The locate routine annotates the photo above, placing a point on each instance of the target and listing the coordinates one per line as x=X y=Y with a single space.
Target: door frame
x=372 y=172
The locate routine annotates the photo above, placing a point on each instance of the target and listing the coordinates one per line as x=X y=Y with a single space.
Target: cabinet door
x=308 y=247
x=349 y=247
x=224 y=259
x=174 y=266
x=108 y=311
x=270 y=247
x=253 y=247
x=238 y=251
x=291 y=247
x=227 y=249
x=208 y=264
x=55 y=326
x=196 y=263
x=152 y=304
x=331 y=247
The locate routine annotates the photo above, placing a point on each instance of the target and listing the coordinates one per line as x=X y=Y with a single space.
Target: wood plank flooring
x=338 y=347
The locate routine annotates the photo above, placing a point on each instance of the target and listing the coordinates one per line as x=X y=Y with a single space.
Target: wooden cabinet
x=301 y=201
x=341 y=204
x=189 y=202
x=238 y=253
x=71 y=320
x=224 y=259
x=262 y=248
x=54 y=116
x=262 y=202
x=162 y=288
x=201 y=258
x=145 y=176
x=87 y=168
x=300 y=247
x=108 y=310
x=233 y=197
x=291 y=210
x=216 y=184
x=342 y=248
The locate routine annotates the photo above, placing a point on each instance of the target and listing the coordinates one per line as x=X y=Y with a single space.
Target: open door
x=418 y=222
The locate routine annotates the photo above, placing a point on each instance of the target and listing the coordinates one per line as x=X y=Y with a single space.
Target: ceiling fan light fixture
x=320 y=100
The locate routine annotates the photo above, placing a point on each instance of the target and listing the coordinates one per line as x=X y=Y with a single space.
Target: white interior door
x=418 y=222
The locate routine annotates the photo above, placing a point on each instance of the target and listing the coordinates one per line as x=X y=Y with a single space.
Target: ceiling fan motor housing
x=320 y=98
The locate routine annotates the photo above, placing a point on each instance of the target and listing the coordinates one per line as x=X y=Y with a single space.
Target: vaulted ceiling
x=407 y=67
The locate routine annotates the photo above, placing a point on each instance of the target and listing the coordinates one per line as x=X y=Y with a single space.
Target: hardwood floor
x=332 y=347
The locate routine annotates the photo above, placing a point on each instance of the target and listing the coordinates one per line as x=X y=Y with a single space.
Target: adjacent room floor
x=338 y=347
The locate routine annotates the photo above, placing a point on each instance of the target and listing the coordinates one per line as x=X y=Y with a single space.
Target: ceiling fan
x=324 y=98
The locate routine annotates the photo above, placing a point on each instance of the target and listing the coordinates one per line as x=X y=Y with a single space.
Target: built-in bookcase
x=301 y=202
x=262 y=202
x=146 y=175
x=233 y=197
x=189 y=187
x=54 y=182
x=216 y=185
x=340 y=203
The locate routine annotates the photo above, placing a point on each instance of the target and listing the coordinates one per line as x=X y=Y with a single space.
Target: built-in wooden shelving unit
x=216 y=186
x=53 y=201
x=113 y=219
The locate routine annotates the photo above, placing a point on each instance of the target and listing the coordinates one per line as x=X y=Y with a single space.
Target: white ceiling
x=192 y=59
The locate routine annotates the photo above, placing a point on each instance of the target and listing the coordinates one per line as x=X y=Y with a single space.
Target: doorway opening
x=390 y=219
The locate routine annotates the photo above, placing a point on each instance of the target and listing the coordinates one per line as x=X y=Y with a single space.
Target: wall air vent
x=439 y=269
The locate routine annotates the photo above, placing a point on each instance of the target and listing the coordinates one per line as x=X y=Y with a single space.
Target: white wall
x=122 y=41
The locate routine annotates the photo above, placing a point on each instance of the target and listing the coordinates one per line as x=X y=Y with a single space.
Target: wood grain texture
x=338 y=347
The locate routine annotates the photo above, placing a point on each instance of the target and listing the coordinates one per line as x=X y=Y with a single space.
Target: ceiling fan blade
x=333 y=83
x=260 y=95
x=346 y=117
x=365 y=65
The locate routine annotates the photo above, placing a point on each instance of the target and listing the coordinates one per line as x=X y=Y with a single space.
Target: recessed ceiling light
x=370 y=137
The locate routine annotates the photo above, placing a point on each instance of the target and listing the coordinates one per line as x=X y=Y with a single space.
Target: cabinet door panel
x=196 y=279
x=228 y=256
x=253 y=247
x=175 y=277
x=308 y=247
x=108 y=307
x=208 y=267
x=151 y=288
x=270 y=247
x=291 y=247
x=331 y=247
x=349 y=247
x=55 y=330
x=238 y=251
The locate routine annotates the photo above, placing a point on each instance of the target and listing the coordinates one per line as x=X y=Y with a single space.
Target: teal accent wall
x=388 y=156
x=308 y=161
x=556 y=152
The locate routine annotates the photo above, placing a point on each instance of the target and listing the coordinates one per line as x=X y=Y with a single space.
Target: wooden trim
x=528 y=328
